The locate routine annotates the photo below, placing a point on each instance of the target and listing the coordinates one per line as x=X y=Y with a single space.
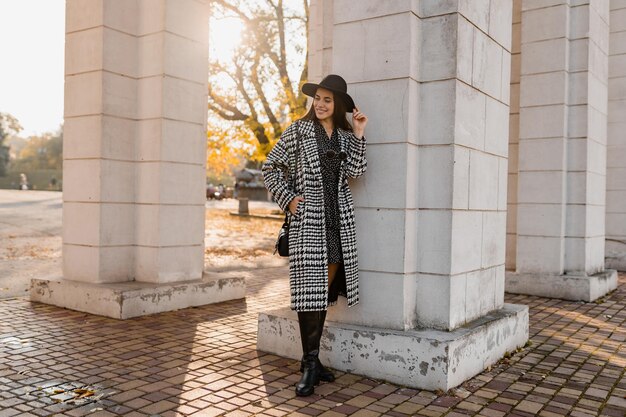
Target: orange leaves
x=229 y=148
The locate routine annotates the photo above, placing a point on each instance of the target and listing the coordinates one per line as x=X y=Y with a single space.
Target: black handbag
x=282 y=243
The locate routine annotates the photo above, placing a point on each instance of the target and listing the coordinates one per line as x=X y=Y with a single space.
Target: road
x=30 y=238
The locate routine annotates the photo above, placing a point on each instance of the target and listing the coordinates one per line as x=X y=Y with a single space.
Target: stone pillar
x=511 y=194
x=134 y=160
x=562 y=152
x=430 y=211
x=320 y=39
x=615 y=249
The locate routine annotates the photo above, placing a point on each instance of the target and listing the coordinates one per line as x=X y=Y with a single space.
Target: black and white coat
x=308 y=260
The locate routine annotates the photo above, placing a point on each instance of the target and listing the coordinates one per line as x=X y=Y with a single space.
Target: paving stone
x=528 y=406
x=360 y=401
x=574 y=365
x=365 y=413
x=408 y=407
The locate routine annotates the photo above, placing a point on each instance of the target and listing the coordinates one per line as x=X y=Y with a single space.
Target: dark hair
x=339 y=113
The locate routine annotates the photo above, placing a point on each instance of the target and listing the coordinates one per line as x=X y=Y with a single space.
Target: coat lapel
x=343 y=144
x=309 y=142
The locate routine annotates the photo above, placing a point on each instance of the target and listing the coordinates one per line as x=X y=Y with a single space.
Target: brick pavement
x=203 y=362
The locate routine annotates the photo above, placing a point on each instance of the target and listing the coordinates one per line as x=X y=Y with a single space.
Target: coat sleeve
x=356 y=164
x=275 y=170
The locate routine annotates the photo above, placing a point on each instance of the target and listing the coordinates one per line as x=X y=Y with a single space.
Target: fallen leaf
x=86 y=394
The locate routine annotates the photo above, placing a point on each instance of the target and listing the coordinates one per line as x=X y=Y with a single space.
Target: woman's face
x=323 y=104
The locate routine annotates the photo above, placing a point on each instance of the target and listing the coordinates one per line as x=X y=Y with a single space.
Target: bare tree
x=261 y=93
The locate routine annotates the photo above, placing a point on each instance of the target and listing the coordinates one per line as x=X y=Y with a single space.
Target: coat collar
x=306 y=129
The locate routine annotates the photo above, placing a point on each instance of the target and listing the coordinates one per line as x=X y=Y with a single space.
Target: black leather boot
x=325 y=374
x=310 y=332
x=310 y=376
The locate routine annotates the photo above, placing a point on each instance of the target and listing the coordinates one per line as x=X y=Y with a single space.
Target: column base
x=565 y=287
x=615 y=261
x=425 y=359
x=125 y=300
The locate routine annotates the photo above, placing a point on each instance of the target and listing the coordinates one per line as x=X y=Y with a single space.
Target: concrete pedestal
x=565 y=287
x=427 y=359
x=124 y=300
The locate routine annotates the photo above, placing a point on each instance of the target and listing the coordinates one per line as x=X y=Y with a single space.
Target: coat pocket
x=299 y=209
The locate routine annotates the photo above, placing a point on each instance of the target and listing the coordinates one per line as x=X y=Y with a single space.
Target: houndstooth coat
x=308 y=259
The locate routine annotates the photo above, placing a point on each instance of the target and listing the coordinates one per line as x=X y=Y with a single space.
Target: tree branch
x=223 y=108
x=232 y=8
x=261 y=94
x=264 y=37
x=226 y=116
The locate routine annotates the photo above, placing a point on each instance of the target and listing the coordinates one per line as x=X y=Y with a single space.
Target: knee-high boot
x=325 y=374
x=310 y=335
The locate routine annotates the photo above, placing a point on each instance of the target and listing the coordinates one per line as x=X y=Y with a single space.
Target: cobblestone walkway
x=203 y=362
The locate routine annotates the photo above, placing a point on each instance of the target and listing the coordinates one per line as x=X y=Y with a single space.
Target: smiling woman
x=307 y=172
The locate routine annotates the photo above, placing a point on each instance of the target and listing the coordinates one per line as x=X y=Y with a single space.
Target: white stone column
x=430 y=211
x=171 y=140
x=615 y=249
x=320 y=39
x=134 y=160
x=511 y=215
x=99 y=134
x=562 y=152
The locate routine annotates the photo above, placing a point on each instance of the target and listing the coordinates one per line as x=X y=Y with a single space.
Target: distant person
x=53 y=183
x=23 y=182
x=318 y=153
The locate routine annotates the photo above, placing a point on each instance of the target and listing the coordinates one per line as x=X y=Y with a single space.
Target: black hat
x=335 y=84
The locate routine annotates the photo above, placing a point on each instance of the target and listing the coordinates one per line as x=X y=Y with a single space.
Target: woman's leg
x=310 y=334
x=324 y=373
x=332 y=271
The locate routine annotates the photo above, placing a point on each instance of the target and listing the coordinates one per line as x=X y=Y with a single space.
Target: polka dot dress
x=330 y=176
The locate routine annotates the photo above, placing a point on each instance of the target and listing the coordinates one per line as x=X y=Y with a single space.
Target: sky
x=32 y=35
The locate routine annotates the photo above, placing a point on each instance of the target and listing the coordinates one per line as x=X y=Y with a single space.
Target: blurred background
x=255 y=78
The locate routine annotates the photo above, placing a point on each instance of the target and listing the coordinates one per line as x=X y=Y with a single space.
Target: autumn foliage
x=255 y=94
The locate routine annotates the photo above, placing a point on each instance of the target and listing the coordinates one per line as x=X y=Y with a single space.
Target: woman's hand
x=293 y=206
x=359 y=120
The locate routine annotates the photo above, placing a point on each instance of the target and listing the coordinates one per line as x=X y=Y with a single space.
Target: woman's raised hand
x=293 y=206
x=359 y=120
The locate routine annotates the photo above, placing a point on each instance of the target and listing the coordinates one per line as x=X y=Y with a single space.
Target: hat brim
x=309 y=89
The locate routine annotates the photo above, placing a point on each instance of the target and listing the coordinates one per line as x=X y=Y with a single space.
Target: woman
x=317 y=154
